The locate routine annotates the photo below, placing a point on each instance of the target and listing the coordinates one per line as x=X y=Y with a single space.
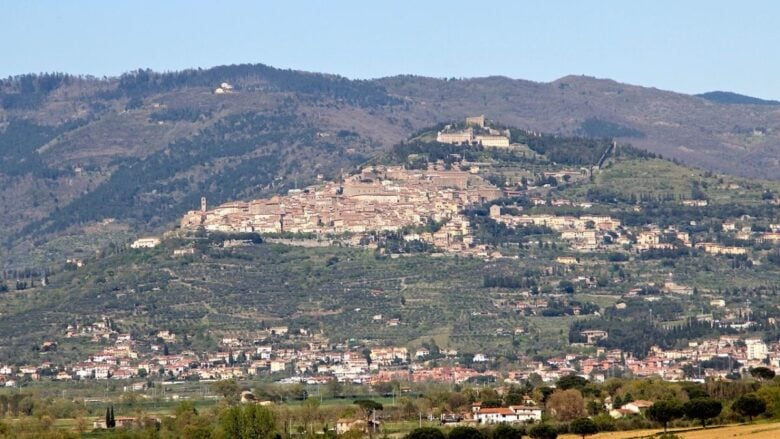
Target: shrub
x=543 y=431
x=426 y=433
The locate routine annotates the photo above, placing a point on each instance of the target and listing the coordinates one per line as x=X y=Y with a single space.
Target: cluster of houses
x=594 y=232
x=585 y=232
x=377 y=199
x=653 y=237
x=123 y=357
x=392 y=198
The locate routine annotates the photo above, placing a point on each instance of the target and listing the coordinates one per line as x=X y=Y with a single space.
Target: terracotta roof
x=496 y=411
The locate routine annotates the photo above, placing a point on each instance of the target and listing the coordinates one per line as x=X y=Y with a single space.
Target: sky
x=686 y=46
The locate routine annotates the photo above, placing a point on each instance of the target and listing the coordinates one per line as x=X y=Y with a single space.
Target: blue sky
x=687 y=46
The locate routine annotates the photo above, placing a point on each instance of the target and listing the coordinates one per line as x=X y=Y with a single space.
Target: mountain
x=101 y=158
x=727 y=97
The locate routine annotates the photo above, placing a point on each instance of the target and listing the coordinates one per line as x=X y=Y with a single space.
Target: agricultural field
x=768 y=430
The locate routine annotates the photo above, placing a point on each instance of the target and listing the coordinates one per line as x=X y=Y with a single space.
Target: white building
x=756 y=349
x=146 y=243
x=507 y=415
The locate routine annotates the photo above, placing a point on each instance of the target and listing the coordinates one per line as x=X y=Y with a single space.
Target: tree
x=81 y=425
x=368 y=407
x=571 y=382
x=762 y=373
x=566 y=405
x=426 y=433
x=311 y=407
x=583 y=427
x=248 y=422
x=228 y=389
x=108 y=417
x=605 y=422
x=504 y=431
x=749 y=405
x=543 y=431
x=465 y=433
x=664 y=412
x=702 y=409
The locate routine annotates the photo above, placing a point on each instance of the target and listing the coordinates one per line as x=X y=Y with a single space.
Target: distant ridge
x=727 y=97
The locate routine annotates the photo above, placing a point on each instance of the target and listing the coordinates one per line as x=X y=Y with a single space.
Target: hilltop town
x=385 y=198
x=378 y=199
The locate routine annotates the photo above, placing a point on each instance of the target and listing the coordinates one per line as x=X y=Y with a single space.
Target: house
x=184 y=251
x=527 y=413
x=480 y=358
x=121 y=421
x=345 y=425
x=638 y=406
x=279 y=330
x=592 y=336
x=674 y=288
x=756 y=349
x=167 y=336
x=567 y=260
x=151 y=242
x=495 y=415
x=63 y=376
x=422 y=353
x=506 y=415
x=477 y=121
x=718 y=249
x=455 y=137
x=494 y=141
x=278 y=366
x=451 y=418
x=619 y=413
x=387 y=356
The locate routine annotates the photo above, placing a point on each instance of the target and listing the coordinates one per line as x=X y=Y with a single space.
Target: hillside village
x=414 y=244
x=140 y=362
x=525 y=240
x=392 y=198
x=429 y=205
x=377 y=199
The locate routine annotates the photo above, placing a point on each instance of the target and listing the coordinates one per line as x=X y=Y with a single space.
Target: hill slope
x=466 y=303
x=142 y=148
x=727 y=97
